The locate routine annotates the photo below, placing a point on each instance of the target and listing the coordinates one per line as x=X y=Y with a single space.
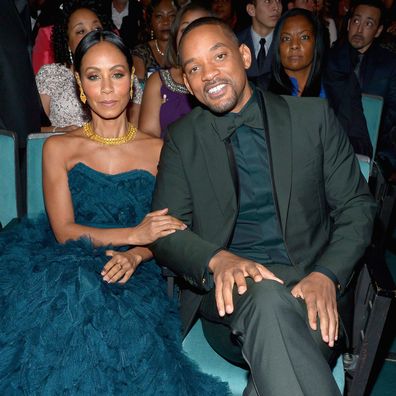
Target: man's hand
x=229 y=269
x=319 y=293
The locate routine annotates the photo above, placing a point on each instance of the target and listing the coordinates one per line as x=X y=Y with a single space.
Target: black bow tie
x=225 y=125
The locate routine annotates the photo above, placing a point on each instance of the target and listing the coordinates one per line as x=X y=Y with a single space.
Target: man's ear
x=379 y=31
x=187 y=84
x=246 y=55
x=251 y=9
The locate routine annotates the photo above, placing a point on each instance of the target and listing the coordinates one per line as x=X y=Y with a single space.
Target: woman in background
x=298 y=69
x=150 y=56
x=55 y=82
x=165 y=97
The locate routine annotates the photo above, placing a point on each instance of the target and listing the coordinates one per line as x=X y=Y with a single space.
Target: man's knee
x=265 y=299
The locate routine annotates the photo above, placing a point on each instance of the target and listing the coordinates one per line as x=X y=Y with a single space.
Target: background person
x=299 y=70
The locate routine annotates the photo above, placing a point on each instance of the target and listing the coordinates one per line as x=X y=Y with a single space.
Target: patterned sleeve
x=45 y=80
x=137 y=91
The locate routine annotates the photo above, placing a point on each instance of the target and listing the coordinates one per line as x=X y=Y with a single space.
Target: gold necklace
x=130 y=135
x=157 y=48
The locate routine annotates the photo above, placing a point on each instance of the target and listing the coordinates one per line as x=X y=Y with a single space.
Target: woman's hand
x=121 y=267
x=155 y=225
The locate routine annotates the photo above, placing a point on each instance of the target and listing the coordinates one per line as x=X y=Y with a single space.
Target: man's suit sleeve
x=184 y=252
x=351 y=206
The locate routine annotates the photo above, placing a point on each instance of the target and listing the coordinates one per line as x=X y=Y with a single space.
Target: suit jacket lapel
x=277 y=126
x=219 y=171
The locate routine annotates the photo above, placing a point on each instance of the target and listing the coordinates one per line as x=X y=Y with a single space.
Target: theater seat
x=34 y=188
x=198 y=349
x=9 y=177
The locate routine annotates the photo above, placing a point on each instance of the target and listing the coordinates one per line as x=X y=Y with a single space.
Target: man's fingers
x=240 y=282
x=219 y=297
x=228 y=286
x=267 y=274
x=324 y=322
x=312 y=313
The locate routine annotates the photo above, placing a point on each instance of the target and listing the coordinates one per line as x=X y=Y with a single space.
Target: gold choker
x=130 y=135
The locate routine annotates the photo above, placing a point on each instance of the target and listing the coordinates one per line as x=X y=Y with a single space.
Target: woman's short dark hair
x=171 y=49
x=59 y=33
x=280 y=82
x=95 y=37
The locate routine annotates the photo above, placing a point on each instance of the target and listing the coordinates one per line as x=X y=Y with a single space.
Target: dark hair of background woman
x=95 y=37
x=171 y=49
x=59 y=32
x=280 y=82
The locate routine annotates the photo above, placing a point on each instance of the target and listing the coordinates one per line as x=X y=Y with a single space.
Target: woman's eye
x=305 y=37
x=118 y=75
x=92 y=77
x=80 y=32
x=284 y=39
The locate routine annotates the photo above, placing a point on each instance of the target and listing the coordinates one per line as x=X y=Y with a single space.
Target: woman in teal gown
x=83 y=307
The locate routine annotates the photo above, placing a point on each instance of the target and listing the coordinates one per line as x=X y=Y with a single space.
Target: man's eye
x=193 y=69
x=220 y=56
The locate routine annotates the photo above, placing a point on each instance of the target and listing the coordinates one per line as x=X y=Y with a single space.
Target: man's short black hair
x=371 y=3
x=214 y=21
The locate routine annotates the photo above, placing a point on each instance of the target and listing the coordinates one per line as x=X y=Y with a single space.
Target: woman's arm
x=60 y=208
x=149 y=118
x=140 y=67
x=46 y=101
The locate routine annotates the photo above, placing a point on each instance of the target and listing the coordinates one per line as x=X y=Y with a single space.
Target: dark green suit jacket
x=324 y=206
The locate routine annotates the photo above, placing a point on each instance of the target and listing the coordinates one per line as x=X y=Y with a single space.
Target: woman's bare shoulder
x=58 y=142
x=150 y=142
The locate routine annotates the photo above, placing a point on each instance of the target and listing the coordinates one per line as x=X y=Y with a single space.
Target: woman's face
x=81 y=22
x=163 y=16
x=106 y=80
x=223 y=9
x=186 y=19
x=297 y=43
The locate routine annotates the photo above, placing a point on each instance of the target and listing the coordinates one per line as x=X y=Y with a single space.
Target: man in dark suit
x=258 y=36
x=374 y=66
x=128 y=17
x=277 y=213
x=20 y=106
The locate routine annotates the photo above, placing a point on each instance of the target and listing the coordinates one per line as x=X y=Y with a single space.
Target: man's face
x=310 y=5
x=265 y=12
x=215 y=68
x=364 y=27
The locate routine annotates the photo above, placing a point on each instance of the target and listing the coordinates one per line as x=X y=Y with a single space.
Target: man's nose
x=209 y=72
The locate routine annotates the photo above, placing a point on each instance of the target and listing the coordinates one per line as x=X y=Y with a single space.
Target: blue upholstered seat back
x=34 y=188
x=9 y=169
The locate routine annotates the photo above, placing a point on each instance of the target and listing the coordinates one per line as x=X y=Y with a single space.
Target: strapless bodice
x=103 y=200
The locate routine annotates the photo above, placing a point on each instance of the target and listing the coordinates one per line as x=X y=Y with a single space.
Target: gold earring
x=132 y=77
x=83 y=98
